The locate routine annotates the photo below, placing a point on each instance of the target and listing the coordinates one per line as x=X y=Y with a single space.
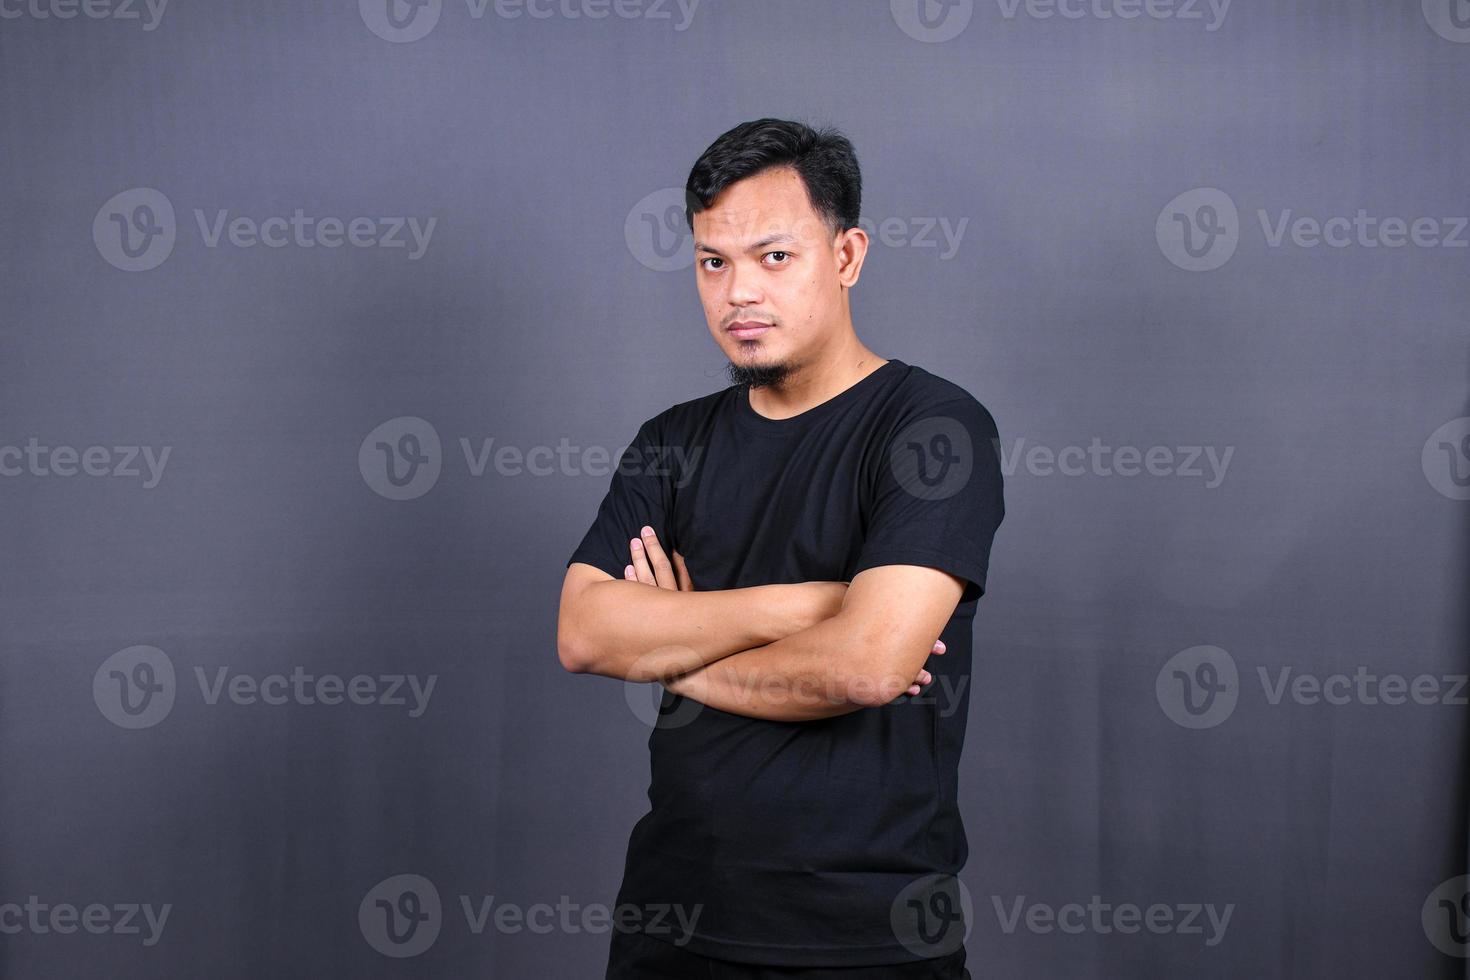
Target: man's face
x=763 y=256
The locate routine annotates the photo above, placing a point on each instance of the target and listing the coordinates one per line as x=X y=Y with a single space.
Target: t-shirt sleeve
x=638 y=495
x=938 y=498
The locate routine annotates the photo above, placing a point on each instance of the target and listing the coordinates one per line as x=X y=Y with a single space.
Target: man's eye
x=777 y=253
x=710 y=260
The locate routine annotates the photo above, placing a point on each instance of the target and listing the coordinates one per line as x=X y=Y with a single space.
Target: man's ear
x=850 y=249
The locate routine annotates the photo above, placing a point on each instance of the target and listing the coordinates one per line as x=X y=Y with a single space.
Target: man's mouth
x=745 y=329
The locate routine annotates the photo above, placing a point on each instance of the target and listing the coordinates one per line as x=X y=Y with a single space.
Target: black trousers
x=635 y=956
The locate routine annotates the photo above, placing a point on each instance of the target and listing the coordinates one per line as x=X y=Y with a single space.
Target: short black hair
x=823 y=158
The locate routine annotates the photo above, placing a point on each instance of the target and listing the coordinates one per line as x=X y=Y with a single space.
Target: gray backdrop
x=322 y=320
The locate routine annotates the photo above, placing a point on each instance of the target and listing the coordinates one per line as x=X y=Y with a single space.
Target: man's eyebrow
x=780 y=238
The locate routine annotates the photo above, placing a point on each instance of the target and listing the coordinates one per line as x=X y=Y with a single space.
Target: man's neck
x=812 y=384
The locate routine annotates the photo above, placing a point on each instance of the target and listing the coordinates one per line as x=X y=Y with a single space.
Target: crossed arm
x=781 y=652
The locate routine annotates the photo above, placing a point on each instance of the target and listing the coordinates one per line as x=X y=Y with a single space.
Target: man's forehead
x=742 y=227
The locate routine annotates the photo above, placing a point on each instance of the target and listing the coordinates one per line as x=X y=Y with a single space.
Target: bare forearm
x=625 y=629
x=820 y=672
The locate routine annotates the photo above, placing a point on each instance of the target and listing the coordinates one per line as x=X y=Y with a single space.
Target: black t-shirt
x=796 y=842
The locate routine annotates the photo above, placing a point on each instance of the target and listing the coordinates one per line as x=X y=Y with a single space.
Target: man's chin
x=759 y=374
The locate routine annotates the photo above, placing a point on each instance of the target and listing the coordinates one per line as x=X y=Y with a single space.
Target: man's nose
x=744 y=289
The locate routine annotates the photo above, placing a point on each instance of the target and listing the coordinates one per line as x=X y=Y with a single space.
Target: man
x=785 y=556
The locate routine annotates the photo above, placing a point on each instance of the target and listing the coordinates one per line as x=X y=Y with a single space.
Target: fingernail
x=637 y=544
x=647 y=529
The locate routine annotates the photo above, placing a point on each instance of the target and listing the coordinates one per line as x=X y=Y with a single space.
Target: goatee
x=758 y=375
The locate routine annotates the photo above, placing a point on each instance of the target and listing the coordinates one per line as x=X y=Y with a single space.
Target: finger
x=640 y=562
x=913 y=689
x=630 y=574
x=924 y=678
x=681 y=570
x=939 y=646
x=663 y=572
